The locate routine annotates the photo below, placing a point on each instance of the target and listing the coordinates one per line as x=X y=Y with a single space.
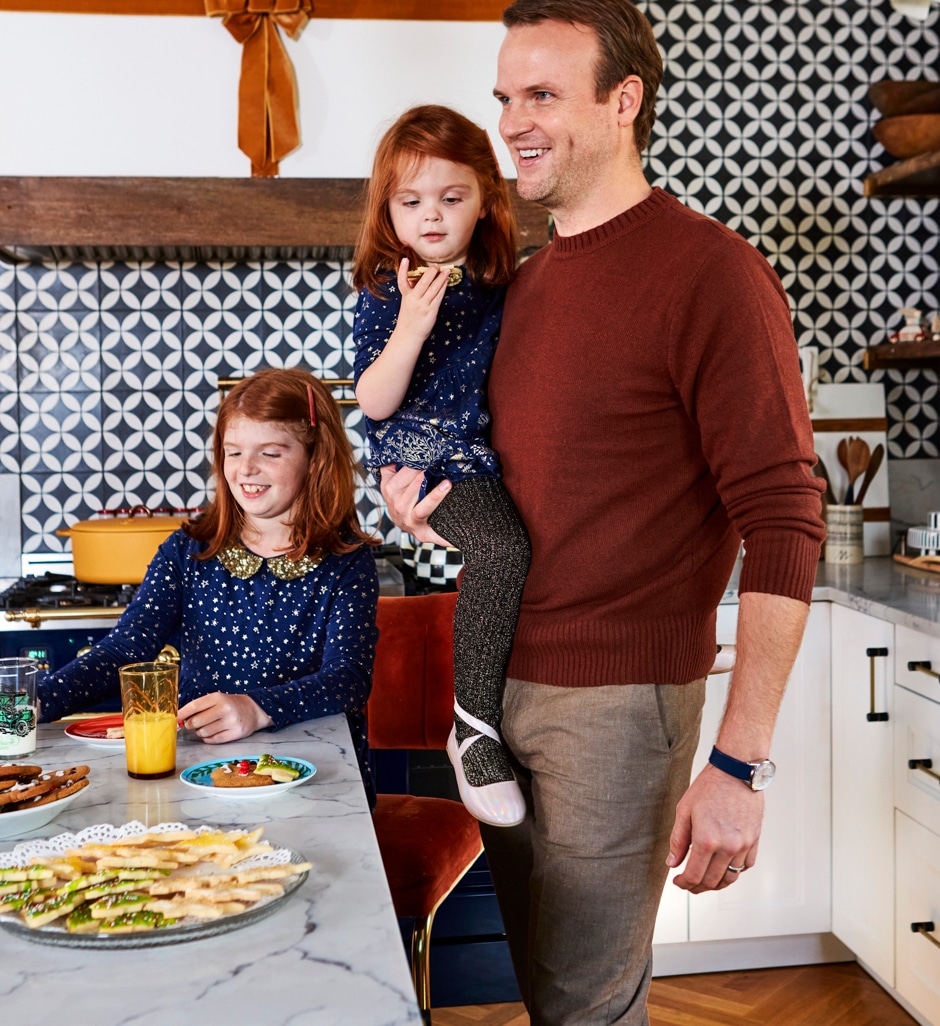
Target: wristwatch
x=757 y=775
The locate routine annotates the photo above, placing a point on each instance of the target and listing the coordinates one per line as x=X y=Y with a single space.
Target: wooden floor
x=819 y=995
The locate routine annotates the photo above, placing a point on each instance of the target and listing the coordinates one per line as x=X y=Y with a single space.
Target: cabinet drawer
x=918 y=649
x=918 y=901
x=917 y=739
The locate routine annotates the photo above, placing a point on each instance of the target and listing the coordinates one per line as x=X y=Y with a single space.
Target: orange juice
x=150 y=739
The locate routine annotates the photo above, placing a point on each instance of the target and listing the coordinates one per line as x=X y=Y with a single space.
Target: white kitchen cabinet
x=862 y=787
x=918 y=883
x=788 y=891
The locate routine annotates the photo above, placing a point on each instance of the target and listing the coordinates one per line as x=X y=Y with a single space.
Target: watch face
x=763 y=775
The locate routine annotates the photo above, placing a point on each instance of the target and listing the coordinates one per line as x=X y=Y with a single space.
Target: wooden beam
x=277 y=215
x=396 y=10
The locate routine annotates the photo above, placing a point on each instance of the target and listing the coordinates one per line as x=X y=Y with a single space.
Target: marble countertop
x=332 y=956
x=880 y=587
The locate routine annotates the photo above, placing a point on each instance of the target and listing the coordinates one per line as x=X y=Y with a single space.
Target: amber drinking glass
x=149 y=697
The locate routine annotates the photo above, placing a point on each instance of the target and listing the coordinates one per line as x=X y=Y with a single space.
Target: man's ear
x=629 y=95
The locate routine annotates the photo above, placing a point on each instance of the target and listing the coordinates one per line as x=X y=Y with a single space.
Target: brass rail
x=35 y=617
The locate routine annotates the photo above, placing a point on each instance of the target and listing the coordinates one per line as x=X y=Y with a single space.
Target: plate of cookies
x=31 y=798
x=248 y=776
x=134 y=886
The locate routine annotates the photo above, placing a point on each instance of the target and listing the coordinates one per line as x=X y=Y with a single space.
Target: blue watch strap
x=734 y=767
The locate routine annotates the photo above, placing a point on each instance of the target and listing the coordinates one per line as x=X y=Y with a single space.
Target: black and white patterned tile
x=109 y=374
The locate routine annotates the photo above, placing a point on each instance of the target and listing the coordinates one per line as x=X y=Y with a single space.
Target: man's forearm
x=770 y=630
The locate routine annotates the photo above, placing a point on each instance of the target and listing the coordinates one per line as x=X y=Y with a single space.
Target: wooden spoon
x=859 y=456
x=842 y=451
x=874 y=465
x=820 y=471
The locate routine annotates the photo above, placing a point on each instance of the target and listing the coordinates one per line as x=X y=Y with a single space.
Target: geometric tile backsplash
x=109 y=375
x=108 y=372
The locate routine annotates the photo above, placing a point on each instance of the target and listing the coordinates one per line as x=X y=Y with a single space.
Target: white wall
x=132 y=95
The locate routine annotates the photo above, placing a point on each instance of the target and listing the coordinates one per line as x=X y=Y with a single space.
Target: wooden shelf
x=904 y=355
x=917 y=177
x=102 y=219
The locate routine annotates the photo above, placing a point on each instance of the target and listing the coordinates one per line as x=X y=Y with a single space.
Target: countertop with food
x=270 y=899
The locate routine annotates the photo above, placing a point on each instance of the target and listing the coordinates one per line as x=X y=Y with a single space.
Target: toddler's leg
x=479 y=517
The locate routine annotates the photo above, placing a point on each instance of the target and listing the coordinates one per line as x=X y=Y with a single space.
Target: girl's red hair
x=324 y=516
x=435 y=131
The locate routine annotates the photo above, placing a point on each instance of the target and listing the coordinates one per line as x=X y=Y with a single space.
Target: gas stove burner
x=54 y=591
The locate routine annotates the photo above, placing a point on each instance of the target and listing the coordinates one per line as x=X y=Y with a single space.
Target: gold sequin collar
x=244 y=564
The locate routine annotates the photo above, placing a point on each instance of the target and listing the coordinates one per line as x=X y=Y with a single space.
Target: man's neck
x=603 y=207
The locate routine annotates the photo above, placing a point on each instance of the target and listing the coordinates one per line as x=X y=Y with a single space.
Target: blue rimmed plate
x=200 y=777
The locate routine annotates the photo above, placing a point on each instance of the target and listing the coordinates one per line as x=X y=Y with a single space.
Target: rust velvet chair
x=427 y=844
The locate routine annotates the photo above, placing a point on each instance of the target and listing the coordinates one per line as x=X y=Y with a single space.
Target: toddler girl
x=436 y=251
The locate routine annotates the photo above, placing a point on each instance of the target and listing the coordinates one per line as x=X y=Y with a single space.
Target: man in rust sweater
x=649 y=414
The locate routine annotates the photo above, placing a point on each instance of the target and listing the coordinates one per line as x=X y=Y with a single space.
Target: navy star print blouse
x=301 y=649
x=442 y=426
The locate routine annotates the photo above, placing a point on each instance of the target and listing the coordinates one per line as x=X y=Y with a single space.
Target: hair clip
x=313 y=409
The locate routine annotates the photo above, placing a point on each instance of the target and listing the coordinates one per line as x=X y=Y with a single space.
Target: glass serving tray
x=186 y=930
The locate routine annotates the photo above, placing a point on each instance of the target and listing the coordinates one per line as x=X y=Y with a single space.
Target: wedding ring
x=736 y=869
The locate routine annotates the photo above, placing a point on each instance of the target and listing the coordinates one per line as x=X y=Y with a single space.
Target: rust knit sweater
x=649 y=413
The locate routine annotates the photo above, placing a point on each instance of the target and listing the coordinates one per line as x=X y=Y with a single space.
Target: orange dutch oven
x=118 y=550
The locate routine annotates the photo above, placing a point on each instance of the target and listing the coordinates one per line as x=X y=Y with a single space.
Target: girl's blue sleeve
x=151 y=618
x=374 y=323
x=343 y=682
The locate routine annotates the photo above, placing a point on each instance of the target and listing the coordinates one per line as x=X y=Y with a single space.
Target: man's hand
x=218 y=717
x=400 y=489
x=717 y=825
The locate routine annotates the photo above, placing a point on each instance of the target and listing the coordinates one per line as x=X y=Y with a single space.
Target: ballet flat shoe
x=499 y=804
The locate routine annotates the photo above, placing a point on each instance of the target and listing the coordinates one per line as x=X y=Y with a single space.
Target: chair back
x=412 y=700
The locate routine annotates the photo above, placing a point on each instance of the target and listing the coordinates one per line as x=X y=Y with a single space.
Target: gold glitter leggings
x=480 y=519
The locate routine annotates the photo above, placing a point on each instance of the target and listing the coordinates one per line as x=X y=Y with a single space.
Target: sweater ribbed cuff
x=780 y=563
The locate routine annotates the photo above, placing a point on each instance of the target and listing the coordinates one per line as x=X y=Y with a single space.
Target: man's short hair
x=625 y=40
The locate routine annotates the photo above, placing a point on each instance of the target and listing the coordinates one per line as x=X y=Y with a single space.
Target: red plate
x=94 y=731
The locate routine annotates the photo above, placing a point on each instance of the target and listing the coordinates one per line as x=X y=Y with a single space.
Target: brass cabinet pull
x=925 y=766
x=923 y=666
x=873 y=654
x=168 y=654
x=926 y=930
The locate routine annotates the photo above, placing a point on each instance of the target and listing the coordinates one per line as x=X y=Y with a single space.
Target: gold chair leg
x=421 y=962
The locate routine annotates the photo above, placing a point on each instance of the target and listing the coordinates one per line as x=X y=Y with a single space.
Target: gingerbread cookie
x=43 y=785
x=72 y=787
x=239 y=774
x=17 y=772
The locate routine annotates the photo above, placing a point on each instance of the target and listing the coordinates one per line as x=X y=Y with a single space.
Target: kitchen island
x=332 y=955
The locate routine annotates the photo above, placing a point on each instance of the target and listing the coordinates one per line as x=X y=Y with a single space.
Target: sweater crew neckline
x=618 y=226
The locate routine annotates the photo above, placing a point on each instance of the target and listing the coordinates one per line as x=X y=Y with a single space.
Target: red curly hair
x=323 y=518
x=435 y=131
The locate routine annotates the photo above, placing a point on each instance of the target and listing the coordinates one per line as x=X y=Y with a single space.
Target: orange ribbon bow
x=267 y=94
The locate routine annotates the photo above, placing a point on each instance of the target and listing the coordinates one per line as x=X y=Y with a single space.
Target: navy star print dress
x=442 y=425
x=301 y=648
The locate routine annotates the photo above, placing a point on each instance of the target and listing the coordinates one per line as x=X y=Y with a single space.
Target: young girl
x=270 y=595
x=436 y=251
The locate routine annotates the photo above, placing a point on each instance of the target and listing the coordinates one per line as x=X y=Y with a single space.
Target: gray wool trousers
x=580 y=879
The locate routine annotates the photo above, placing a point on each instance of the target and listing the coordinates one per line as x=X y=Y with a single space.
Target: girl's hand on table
x=218 y=718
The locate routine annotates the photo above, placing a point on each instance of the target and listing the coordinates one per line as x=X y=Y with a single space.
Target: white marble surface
x=880 y=587
x=332 y=956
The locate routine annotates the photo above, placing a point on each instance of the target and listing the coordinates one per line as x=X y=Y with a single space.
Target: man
x=649 y=414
